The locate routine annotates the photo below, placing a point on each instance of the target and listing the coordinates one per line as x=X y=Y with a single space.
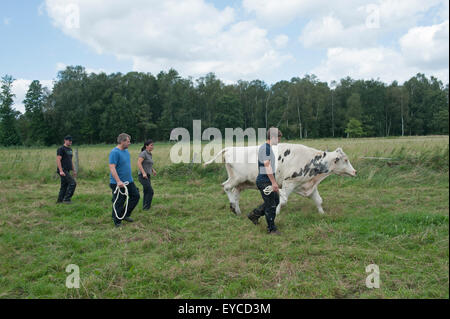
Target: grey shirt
x=147 y=163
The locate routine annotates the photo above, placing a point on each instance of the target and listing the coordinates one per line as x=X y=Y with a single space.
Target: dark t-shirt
x=265 y=153
x=66 y=158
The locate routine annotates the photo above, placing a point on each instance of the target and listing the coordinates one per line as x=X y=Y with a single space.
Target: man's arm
x=58 y=163
x=112 y=169
x=270 y=175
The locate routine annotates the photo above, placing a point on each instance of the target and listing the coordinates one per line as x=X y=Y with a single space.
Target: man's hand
x=62 y=173
x=154 y=172
x=75 y=173
x=144 y=175
x=121 y=184
x=275 y=187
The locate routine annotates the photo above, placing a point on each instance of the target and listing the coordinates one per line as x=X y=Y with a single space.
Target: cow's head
x=342 y=165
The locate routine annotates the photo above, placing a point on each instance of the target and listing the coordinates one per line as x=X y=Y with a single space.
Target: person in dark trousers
x=145 y=165
x=265 y=178
x=120 y=169
x=64 y=165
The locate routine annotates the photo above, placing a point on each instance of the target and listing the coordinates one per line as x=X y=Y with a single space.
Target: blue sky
x=269 y=40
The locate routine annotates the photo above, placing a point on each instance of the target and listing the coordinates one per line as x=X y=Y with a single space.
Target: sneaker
x=117 y=225
x=128 y=219
x=67 y=202
x=274 y=232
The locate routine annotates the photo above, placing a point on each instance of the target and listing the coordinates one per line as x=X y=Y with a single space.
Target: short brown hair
x=123 y=137
x=273 y=131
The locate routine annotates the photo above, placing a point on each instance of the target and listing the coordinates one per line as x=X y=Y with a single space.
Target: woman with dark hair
x=145 y=165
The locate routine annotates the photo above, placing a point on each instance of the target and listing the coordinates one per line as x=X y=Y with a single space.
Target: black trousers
x=133 y=200
x=148 y=192
x=68 y=185
x=269 y=207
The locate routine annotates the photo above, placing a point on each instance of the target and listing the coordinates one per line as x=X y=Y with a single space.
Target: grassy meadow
x=394 y=214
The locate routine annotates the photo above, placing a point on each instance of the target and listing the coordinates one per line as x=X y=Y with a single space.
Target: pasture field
x=394 y=214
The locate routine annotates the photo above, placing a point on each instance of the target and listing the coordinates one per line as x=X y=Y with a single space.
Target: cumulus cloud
x=355 y=47
x=367 y=64
x=427 y=47
x=20 y=88
x=191 y=36
x=381 y=63
x=361 y=38
x=392 y=13
x=329 y=31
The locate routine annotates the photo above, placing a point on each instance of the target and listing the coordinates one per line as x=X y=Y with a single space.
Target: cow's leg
x=315 y=196
x=287 y=189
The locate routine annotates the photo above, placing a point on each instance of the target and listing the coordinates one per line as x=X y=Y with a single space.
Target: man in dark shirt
x=64 y=166
x=265 y=178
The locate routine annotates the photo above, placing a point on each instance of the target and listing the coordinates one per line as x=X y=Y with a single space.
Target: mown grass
x=394 y=214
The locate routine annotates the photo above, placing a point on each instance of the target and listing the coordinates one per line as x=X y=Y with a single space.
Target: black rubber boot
x=253 y=217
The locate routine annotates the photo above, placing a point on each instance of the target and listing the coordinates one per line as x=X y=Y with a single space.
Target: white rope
x=125 y=193
x=268 y=190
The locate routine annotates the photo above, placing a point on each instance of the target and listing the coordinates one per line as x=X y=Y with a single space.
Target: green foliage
x=354 y=128
x=95 y=108
x=8 y=117
x=37 y=132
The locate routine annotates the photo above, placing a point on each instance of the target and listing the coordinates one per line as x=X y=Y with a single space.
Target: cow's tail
x=215 y=157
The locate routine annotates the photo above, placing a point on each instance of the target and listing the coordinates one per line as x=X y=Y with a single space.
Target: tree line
x=95 y=108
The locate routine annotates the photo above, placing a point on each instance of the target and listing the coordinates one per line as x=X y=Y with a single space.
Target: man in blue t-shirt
x=266 y=177
x=120 y=168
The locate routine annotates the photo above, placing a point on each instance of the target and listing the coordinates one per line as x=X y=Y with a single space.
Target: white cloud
x=191 y=36
x=194 y=37
x=354 y=47
x=280 y=12
x=20 y=88
x=363 y=24
x=427 y=47
x=381 y=63
x=330 y=32
x=360 y=64
x=393 y=13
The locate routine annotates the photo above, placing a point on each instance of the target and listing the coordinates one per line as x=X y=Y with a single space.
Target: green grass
x=394 y=214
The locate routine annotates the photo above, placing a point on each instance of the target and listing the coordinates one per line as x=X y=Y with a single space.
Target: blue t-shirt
x=265 y=153
x=123 y=165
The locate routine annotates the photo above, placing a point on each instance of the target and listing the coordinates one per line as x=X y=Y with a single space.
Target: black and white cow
x=299 y=169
